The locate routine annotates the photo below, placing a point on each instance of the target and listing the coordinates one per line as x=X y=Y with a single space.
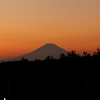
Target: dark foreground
x=69 y=76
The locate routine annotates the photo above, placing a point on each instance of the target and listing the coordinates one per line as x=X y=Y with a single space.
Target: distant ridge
x=42 y=52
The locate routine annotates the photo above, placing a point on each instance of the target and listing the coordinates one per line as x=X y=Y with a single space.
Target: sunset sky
x=25 y=25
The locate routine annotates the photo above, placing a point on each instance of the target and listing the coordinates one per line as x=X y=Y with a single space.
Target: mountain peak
x=49 y=44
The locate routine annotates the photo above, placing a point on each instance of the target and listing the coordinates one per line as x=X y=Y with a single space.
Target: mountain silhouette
x=42 y=52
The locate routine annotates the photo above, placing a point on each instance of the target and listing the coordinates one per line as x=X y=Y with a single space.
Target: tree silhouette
x=86 y=54
x=24 y=59
x=62 y=55
x=49 y=58
x=52 y=75
x=73 y=54
x=98 y=51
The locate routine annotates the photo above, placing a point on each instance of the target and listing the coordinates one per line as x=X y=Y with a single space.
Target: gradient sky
x=26 y=25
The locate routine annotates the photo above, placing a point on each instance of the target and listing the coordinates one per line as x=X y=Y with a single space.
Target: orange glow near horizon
x=27 y=25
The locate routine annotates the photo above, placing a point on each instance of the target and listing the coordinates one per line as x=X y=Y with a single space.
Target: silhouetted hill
x=42 y=52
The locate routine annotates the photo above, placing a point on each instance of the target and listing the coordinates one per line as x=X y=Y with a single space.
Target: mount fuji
x=42 y=52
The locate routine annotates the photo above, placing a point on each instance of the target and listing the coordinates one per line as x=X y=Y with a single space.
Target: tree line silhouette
x=51 y=77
